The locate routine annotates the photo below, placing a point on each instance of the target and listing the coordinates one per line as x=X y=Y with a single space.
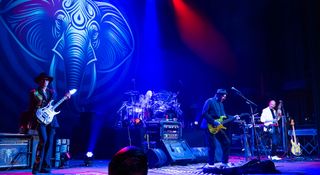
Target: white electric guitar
x=45 y=115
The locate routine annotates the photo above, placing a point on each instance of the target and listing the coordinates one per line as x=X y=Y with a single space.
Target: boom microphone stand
x=253 y=134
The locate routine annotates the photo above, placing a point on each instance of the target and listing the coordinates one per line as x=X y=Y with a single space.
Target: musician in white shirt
x=270 y=120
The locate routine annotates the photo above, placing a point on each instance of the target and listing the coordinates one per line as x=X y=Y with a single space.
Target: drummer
x=146 y=103
x=145 y=100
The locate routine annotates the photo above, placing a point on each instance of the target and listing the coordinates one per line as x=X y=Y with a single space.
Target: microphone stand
x=253 y=133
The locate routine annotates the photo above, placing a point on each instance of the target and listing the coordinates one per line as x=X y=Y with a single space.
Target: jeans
x=44 y=148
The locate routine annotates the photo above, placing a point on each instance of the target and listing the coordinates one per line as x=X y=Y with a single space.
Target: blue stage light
x=88 y=159
x=89 y=154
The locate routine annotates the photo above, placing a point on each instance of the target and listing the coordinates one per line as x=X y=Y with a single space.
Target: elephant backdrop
x=83 y=42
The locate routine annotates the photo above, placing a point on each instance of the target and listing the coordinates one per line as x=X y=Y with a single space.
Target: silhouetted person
x=129 y=160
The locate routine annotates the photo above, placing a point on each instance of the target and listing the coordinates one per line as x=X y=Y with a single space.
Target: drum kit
x=139 y=108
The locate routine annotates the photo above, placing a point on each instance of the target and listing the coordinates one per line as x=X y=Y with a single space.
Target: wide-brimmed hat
x=43 y=76
x=221 y=91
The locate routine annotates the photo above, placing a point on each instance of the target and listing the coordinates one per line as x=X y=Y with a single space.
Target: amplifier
x=15 y=150
x=165 y=130
x=170 y=130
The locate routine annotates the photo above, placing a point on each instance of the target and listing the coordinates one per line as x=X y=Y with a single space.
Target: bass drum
x=156 y=158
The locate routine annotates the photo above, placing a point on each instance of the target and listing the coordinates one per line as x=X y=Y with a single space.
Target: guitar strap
x=39 y=96
x=273 y=115
x=274 y=128
x=221 y=109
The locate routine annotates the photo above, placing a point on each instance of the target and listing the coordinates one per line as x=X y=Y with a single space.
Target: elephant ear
x=116 y=38
x=30 y=23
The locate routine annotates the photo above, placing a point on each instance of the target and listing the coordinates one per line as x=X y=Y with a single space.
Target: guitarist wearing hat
x=40 y=98
x=213 y=114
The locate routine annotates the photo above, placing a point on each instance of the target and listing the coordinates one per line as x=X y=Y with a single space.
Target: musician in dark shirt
x=213 y=109
x=39 y=98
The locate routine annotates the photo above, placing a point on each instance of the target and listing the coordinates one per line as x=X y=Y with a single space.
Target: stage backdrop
x=107 y=48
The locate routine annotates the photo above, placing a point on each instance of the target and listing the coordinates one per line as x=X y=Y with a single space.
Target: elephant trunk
x=75 y=61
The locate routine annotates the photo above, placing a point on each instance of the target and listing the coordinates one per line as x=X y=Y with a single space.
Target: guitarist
x=212 y=110
x=271 y=127
x=39 y=98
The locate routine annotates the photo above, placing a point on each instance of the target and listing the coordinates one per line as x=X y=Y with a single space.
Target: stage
x=294 y=165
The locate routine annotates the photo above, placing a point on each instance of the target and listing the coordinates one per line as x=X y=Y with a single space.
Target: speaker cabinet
x=15 y=150
x=156 y=158
x=178 y=151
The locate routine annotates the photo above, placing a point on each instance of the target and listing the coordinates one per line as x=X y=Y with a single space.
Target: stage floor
x=76 y=167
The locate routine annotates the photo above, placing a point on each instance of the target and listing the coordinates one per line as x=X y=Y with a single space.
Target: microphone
x=233 y=88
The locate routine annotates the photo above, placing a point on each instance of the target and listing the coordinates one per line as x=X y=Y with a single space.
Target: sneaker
x=216 y=165
x=230 y=165
x=275 y=158
x=221 y=165
x=211 y=166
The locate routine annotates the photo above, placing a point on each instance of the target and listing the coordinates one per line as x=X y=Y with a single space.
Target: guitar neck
x=294 y=134
x=228 y=120
x=59 y=102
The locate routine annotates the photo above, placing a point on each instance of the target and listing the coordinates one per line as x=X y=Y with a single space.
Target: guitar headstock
x=71 y=92
x=279 y=109
x=292 y=122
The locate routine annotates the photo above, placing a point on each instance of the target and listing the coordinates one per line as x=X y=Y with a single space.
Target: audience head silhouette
x=129 y=160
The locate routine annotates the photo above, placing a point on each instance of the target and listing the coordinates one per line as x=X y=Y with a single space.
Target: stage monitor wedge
x=178 y=151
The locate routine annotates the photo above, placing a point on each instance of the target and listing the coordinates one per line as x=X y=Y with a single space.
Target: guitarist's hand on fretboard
x=68 y=95
x=216 y=123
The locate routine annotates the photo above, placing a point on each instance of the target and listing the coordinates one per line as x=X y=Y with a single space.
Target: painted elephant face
x=84 y=37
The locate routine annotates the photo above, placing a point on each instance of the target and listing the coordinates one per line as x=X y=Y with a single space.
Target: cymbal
x=131 y=92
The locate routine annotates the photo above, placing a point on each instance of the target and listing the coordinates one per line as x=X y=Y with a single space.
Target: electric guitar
x=295 y=146
x=270 y=124
x=45 y=115
x=222 y=120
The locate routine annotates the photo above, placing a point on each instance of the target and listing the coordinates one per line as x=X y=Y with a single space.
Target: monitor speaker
x=178 y=151
x=156 y=158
